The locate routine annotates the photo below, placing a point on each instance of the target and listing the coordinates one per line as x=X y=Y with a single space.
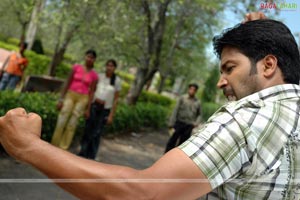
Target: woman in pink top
x=74 y=101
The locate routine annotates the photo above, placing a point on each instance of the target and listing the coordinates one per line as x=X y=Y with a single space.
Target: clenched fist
x=18 y=132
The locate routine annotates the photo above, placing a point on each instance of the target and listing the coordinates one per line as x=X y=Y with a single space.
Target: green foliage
x=3 y=37
x=126 y=117
x=209 y=93
x=147 y=97
x=210 y=90
x=37 y=47
x=9 y=47
x=124 y=90
x=129 y=118
x=37 y=63
x=128 y=78
x=13 y=41
x=208 y=109
x=40 y=103
x=155 y=98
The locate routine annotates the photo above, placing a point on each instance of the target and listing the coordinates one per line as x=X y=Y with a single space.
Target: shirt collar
x=271 y=94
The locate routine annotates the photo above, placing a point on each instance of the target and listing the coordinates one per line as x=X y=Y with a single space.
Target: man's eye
x=229 y=69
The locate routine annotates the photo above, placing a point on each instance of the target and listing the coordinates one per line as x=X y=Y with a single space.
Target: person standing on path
x=74 y=101
x=102 y=110
x=185 y=117
x=14 y=67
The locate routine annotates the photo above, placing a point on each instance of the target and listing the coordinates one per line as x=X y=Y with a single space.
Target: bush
x=155 y=98
x=37 y=47
x=129 y=118
x=40 y=103
x=147 y=97
x=208 y=109
x=126 y=117
x=128 y=78
x=13 y=41
x=9 y=47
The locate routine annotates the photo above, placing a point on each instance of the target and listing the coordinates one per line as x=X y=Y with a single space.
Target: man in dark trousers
x=185 y=117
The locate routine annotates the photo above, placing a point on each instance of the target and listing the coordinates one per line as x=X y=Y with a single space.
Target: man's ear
x=270 y=65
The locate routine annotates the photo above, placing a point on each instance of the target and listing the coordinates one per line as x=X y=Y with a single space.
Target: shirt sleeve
x=218 y=149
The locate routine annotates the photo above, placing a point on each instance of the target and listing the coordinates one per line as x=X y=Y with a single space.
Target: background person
x=14 y=68
x=102 y=110
x=185 y=117
x=74 y=101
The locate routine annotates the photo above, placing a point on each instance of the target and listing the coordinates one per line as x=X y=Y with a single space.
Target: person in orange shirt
x=14 y=68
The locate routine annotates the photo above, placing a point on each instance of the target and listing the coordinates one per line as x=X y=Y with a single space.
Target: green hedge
x=128 y=78
x=126 y=118
x=42 y=103
x=129 y=118
x=208 y=109
x=155 y=98
x=148 y=97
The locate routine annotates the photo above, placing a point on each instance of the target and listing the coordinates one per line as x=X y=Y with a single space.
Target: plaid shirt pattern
x=249 y=149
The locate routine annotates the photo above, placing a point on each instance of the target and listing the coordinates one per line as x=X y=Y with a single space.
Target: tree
x=17 y=16
x=34 y=20
x=68 y=17
x=210 y=89
x=170 y=29
x=150 y=59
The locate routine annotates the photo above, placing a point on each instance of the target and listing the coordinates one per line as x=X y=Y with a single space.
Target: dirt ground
x=19 y=181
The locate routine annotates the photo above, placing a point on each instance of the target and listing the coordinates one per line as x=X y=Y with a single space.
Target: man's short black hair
x=194 y=85
x=259 y=38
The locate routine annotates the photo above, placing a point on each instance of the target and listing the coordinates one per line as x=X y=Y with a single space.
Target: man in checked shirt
x=249 y=149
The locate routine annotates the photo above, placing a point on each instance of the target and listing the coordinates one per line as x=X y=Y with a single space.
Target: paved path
x=138 y=150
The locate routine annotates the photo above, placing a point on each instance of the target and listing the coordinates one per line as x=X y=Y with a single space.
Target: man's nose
x=222 y=82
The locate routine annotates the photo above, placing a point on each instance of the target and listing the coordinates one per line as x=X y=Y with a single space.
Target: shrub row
x=41 y=103
x=148 y=97
x=126 y=118
x=208 y=109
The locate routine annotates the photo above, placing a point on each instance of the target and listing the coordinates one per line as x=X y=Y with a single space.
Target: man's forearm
x=84 y=178
x=88 y=179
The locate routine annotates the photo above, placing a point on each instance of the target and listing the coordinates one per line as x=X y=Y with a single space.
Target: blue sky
x=290 y=17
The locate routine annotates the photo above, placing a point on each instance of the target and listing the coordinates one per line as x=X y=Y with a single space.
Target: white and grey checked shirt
x=249 y=149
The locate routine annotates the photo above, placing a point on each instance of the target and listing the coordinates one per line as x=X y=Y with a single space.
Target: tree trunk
x=60 y=51
x=151 y=59
x=137 y=86
x=141 y=78
x=31 y=31
x=23 y=32
x=56 y=60
x=161 y=83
